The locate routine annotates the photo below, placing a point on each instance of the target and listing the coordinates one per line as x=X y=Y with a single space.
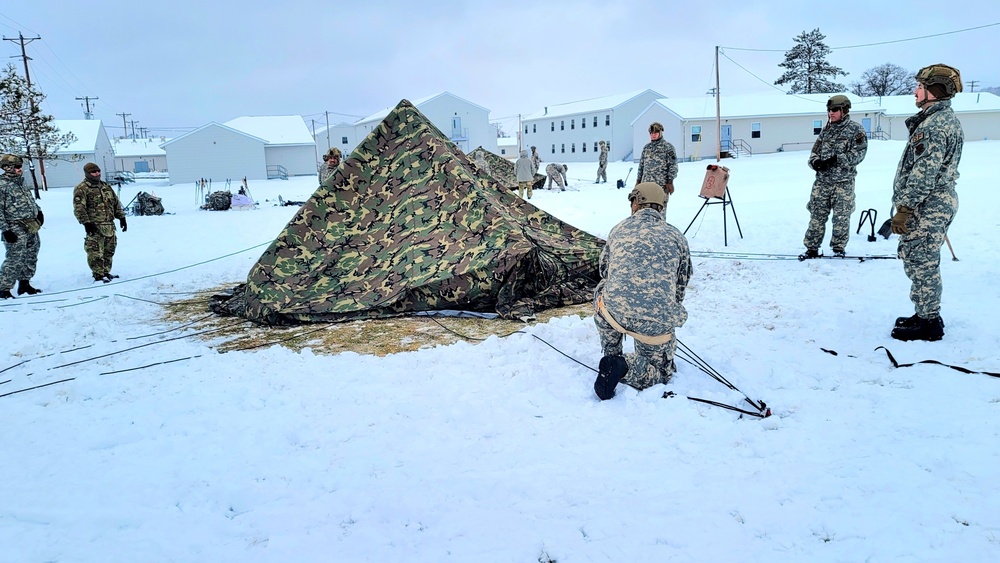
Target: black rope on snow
x=37 y=387
x=87 y=302
x=279 y=341
x=896 y=364
x=198 y=320
x=149 y=365
x=138 y=299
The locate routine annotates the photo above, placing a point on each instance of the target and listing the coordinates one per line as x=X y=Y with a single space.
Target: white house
x=140 y=155
x=767 y=123
x=342 y=135
x=463 y=122
x=507 y=147
x=571 y=132
x=255 y=148
x=91 y=145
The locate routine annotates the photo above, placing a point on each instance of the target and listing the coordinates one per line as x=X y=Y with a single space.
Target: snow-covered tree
x=807 y=71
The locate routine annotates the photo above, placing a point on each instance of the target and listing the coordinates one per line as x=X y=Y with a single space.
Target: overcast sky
x=178 y=64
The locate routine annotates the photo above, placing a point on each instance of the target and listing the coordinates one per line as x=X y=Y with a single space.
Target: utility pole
x=133 y=122
x=27 y=144
x=124 y=125
x=86 y=99
x=972 y=85
x=328 y=145
x=142 y=132
x=315 y=148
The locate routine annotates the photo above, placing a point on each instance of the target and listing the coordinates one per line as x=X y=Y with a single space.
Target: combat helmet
x=840 y=102
x=647 y=193
x=10 y=161
x=333 y=152
x=941 y=80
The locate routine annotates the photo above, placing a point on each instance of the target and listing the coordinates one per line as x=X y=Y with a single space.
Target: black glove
x=90 y=228
x=41 y=218
x=123 y=224
x=10 y=236
x=828 y=163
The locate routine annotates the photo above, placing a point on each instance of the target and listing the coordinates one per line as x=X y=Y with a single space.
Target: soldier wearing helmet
x=602 y=164
x=332 y=160
x=20 y=220
x=645 y=268
x=658 y=163
x=925 y=199
x=536 y=161
x=839 y=148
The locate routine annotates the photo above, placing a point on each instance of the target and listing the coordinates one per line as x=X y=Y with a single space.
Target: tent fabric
x=503 y=171
x=408 y=224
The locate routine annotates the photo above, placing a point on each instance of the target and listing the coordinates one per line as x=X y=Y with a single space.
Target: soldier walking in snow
x=602 y=164
x=658 y=163
x=20 y=220
x=96 y=206
x=925 y=199
x=536 y=161
x=525 y=174
x=835 y=156
x=557 y=173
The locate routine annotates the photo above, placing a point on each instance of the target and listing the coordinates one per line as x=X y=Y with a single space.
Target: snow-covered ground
x=499 y=450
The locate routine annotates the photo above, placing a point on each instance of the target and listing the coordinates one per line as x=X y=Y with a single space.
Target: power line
x=874 y=44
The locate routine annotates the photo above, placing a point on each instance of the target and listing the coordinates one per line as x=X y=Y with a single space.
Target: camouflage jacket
x=930 y=160
x=603 y=159
x=645 y=268
x=658 y=163
x=536 y=161
x=96 y=203
x=847 y=141
x=16 y=202
x=325 y=171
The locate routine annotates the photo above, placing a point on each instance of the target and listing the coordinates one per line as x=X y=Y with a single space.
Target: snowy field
x=499 y=450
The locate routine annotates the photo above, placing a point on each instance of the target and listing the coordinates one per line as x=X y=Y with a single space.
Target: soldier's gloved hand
x=40 y=218
x=831 y=162
x=90 y=228
x=669 y=188
x=123 y=224
x=10 y=236
x=899 y=220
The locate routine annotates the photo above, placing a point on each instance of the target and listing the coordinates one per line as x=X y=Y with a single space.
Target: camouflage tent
x=407 y=224
x=502 y=170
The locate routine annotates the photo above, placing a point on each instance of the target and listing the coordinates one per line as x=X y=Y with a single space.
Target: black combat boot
x=920 y=329
x=810 y=253
x=911 y=321
x=24 y=286
x=6 y=294
x=610 y=371
x=839 y=253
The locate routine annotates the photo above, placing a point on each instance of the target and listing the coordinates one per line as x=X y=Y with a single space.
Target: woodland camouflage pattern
x=645 y=269
x=833 y=190
x=407 y=224
x=925 y=182
x=502 y=170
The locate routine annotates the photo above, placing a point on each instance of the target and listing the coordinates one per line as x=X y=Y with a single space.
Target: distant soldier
x=925 y=198
x=536 y=161
x=835 y=156
x=557 y=173
x=525 y=174
x=481 y=163
x=645 y=268
x=20 y=220
x=602 y=164
x=96 y=207
x=331 y=161
x=658 y=163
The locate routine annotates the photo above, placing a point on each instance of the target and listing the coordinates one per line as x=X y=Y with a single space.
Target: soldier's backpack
x=148 y=204
x=219 y=201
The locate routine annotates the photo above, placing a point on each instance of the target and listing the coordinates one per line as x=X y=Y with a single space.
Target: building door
x=866 y=122
x=726 y=141
x=141 y=166
x=456 y=127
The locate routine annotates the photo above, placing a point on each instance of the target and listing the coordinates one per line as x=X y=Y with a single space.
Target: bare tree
x=24 y=129
x=884 y=80
x=807 y=70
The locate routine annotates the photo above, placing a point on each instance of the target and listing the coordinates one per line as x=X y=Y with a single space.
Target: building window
x=503 y=151
x=572 y=123
x=607 y=120
x=343 y=140
x=562 y=148
x=595 y=146
x=572 y=148
x=696 y=133
x=583 y=123
x=553 y=125
x=533 y=128
x=525 y=129
x=553 y=148
x=562 y=125
x=595 y=121
x=755 y=130
x=817 y=127
x=583 y=146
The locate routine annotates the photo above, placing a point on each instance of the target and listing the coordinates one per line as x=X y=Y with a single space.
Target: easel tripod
x=726 y=201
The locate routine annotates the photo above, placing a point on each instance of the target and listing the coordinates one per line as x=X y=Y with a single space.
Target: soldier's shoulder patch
x=917 y=137
x=860 y=138
x=919 y=149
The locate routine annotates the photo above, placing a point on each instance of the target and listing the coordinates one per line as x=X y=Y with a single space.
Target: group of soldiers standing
x=95 y=205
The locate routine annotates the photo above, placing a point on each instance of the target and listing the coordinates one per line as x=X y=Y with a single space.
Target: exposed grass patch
x=379 y=337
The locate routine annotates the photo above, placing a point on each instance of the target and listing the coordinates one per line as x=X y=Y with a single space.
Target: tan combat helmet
x=10 y=161
x=647 y=193
x=840 y=102
x=941 y=80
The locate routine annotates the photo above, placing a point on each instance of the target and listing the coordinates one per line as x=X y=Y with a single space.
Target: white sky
x=180 y=64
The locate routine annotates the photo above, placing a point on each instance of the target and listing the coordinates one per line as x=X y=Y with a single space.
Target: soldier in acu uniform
x=96 y=206
x=557 y=175
x=332 y=161
x=658 y=163
x=536 y=161
x=20 y=220
x=645 y=268
x=835 y=156
x=602 y=164
x=924 y=196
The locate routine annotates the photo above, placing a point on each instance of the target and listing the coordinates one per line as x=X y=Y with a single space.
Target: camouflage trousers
x=522 y=186
x=100 y=251
x=21 y=258
x=602 y=172
x=920 y=251
x=558 y=179
x=827 y=197
x=649 y=365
